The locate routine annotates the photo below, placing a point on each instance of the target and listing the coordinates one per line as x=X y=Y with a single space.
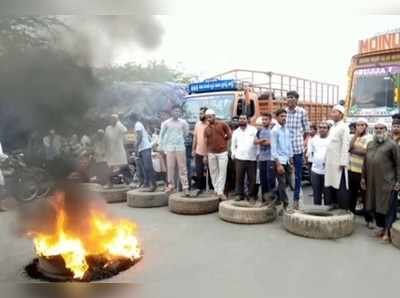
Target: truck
x=227 y=94
x=374 y=79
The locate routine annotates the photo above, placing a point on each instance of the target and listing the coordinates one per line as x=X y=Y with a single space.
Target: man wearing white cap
x=358 y=150
x=217 y=135
x=337 y=161
x=381 y=179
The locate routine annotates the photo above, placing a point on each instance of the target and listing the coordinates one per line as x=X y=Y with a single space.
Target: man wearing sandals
x=172 y=142
x=381 y=179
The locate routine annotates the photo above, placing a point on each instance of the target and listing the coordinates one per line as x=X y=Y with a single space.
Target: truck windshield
x=373 y=87
x=222 y=104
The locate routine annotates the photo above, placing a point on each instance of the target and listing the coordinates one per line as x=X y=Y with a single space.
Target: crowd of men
x=254 y=163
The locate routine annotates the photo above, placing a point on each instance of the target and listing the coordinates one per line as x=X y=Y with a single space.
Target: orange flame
x=111 y=239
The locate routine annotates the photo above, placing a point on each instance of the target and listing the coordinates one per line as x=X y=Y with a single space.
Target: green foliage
x=18 y=34
x=154 y=71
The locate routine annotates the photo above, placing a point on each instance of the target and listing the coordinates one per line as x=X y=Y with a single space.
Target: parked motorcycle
x=21 y=182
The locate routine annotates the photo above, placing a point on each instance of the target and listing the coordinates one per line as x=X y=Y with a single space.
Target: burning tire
x=395 y=233
x=319 y=224
x=232 y=212
x=202 y=204
x=116 y=194
x=139 y=199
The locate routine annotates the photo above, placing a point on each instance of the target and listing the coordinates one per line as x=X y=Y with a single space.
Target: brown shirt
x=217 y=136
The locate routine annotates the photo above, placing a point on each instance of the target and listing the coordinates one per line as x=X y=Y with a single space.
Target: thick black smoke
x=46 y=69
x=42 y=89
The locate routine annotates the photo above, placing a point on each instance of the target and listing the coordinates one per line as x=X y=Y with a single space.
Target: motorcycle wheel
x=27 y=189
x=45 y=183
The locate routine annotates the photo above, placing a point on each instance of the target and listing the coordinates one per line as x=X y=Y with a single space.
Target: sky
x=214 y=38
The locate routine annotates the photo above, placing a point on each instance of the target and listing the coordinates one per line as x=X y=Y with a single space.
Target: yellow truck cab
x=374 y=79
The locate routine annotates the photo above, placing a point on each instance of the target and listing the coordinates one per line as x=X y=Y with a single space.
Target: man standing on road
x=282 y=154
x=143 y=147
x=199 y=151
x=244 y=151
x=172 y=142
x=217 y=134
x=316 y=156
x=298 y=125
x=381 y=179
x=114 y=143
x=265 y=162
x=358 y=150
x=337 y=161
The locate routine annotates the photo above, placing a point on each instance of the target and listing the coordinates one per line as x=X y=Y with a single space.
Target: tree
x=154 y=71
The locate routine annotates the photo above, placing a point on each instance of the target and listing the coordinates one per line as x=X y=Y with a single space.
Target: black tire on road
x=319 y=224
x=230 y=212
x=116 y=194
x=139 y=199
x=202 y=204
x=395 y=234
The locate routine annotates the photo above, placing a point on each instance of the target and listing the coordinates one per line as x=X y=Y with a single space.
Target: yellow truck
x=374 y=79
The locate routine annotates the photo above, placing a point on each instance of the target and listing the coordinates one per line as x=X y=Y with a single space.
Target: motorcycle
x=21 y=182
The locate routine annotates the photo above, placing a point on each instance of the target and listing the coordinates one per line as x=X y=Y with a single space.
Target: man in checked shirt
x=299 y=128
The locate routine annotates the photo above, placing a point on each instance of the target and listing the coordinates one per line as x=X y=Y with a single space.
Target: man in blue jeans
x=265 y=162
x=299 y=128
x=143 y=145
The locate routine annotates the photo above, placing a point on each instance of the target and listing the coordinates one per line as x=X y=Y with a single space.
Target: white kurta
x=337 y=154
x=114 y=143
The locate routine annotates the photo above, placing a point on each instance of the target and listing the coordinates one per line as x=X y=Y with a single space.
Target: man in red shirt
x=217 y=134
x=199 y=151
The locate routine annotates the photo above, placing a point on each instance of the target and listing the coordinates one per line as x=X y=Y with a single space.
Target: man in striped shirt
x=299 y=128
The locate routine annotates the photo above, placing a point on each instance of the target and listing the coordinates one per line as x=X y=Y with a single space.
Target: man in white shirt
x=244 y=151
x=317 y=155
x=143 y=147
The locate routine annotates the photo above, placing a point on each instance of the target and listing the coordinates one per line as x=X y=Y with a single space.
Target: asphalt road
x=202 y=256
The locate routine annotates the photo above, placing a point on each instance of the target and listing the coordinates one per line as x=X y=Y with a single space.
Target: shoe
x=333 y=207
x=239 y=198
x=285 y=205
x=153 y=188
x=223 y=198
x=186 y=193
x=259 y=203
x=195 y=193
x=169 y=190
x=296 y=205
x=386 y=238
x=370 y=225
x=252 y=201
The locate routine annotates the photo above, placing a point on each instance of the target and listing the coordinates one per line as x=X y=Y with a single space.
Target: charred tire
x=116 y=194
x=319 y=224
x=395 y=234
x=139 y=199
x=202 y=204
x=230 y=212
